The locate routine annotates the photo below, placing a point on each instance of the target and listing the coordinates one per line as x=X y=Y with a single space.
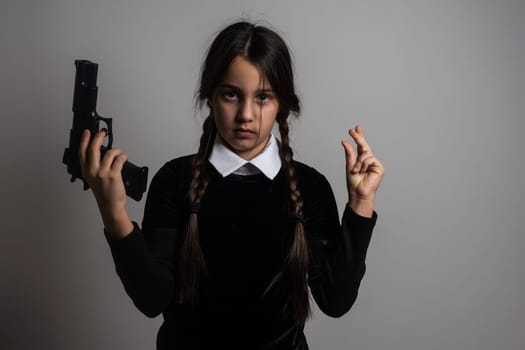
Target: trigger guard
x=109 y=124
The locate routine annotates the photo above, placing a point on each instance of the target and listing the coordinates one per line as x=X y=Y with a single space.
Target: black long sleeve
x=146 y=259
x=338 y=251
x=335 y=279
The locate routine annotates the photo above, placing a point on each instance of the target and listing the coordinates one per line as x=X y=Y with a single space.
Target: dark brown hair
x=269 y=53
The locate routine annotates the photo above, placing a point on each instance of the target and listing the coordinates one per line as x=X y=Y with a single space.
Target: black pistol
x=85 y=116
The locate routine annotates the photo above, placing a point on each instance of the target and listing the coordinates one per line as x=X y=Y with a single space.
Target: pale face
x=244 y=107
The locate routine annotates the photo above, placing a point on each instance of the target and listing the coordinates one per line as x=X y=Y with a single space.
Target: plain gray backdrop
x=438 y=86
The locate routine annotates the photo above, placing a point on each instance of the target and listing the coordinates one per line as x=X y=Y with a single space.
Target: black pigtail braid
x=192 y=263
x=297 y=265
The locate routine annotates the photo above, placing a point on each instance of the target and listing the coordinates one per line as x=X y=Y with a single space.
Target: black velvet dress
x=246 y=231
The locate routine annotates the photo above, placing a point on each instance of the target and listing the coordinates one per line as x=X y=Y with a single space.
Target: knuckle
x=114 y=176
x=115 y=152
x=112 y=153
x=100 y=176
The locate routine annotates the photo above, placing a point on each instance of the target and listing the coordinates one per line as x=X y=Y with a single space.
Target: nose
x=247 y=111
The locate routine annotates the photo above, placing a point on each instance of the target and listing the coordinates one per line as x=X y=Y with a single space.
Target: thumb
x=349 y=155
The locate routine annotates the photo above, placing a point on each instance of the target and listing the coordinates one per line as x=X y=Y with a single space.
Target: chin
x=242 y=144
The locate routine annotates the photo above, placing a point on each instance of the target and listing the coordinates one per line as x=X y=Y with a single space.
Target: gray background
x=437 y=85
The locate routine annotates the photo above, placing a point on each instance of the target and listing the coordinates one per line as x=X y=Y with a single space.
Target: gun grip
x=135 y=180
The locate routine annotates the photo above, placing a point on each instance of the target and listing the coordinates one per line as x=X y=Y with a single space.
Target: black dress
x=246 y=231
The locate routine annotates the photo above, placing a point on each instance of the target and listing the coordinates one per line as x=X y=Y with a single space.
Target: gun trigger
x=73 y=179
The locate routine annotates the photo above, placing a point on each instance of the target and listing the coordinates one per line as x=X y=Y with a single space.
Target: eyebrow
x=234 y=87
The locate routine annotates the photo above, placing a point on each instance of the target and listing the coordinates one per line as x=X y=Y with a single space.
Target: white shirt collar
x=227 y=162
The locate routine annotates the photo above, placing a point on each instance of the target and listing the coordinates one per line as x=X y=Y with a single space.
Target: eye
x=263 y=98
x=230 y=95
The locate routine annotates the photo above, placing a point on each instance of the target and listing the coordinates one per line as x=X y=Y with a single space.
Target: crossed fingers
x=365 y=157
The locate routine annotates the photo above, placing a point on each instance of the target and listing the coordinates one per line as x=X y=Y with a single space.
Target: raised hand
x=104 y=176
x=364 y=173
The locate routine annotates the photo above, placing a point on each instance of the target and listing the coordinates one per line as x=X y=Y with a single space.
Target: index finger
x=93 y=151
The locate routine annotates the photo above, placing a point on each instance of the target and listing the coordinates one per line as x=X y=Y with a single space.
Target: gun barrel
x=85 y=94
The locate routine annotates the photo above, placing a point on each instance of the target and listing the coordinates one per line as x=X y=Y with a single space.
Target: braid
x=192 y=262
x=297 y=265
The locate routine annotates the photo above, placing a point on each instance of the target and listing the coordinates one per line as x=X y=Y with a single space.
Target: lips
x=243 y=132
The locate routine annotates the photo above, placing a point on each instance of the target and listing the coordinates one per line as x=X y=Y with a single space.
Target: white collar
x=227 y=162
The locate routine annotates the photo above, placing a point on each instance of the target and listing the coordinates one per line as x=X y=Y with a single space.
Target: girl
x=235 y=237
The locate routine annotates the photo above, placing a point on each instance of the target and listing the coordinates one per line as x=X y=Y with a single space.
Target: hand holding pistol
x=85 y=116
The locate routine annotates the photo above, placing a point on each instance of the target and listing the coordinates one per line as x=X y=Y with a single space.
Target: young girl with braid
x=236 y=238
